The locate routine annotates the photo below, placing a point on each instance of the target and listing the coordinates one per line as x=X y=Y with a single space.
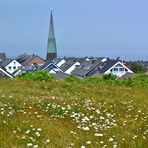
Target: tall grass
x=72 y=114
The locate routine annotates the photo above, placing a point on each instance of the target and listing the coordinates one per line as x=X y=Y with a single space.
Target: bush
x=72 y=79
x=109 y=76
x=137 y=68
x=38 y=75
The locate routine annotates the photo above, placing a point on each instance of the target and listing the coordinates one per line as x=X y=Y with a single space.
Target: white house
x=12 y=66
x=118 y=69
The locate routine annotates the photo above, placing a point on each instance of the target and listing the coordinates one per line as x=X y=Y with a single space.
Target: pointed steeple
x=51 y=46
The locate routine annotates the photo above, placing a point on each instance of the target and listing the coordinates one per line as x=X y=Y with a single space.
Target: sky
x=103 y=28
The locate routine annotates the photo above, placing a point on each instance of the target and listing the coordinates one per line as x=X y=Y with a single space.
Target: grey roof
x=104 y=66
x=56 y=60
x=2 y=57
x=6 y=72
x=26 y=59
x=86 y=68
x=67 y=65
x=80 y=60
x=21 y=58
x=45 y=65
x=6 y=62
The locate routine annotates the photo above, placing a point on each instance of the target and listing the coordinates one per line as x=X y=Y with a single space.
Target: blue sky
x=109 y=28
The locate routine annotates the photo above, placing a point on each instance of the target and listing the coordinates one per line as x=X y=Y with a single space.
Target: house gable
x=118 y=69
x=52 y=68
x=35 y=60
x=13 y=66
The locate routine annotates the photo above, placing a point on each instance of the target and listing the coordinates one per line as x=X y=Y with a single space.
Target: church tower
x=51 y=45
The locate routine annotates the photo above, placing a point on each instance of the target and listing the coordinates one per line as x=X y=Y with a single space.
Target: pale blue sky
x=109 y=28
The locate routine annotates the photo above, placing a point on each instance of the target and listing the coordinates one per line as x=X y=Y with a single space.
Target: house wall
x=13 y=66
x=37 y=60
x=68 y=71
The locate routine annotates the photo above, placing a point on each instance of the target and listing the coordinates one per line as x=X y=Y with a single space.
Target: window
x=115 y=69
x=9 y=67
x=121 y=69
x=14 y=67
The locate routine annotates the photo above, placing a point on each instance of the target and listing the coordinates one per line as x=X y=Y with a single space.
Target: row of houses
x=63 y=67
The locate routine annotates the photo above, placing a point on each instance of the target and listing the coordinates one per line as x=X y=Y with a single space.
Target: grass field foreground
x=61 y=114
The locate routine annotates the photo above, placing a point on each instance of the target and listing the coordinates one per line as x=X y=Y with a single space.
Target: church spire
x=51 y=46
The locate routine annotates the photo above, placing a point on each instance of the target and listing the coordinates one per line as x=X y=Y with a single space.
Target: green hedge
x=37 y=75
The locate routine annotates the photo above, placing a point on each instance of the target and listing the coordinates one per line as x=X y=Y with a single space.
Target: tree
x=137 y=68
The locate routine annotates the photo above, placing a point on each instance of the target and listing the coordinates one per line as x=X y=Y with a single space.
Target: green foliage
x=37 y=75
x=72 y=79
x=109 y=76
x=137 y=68
x=93 y=80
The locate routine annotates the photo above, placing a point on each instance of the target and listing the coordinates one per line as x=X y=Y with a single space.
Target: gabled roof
x=67 y=65
x=48 y=66
x=21 y=58
x=29 y=58
x=2 y=57
x=3 y=70
x=104 y=66
x=86 y=67
x=80 y=60
x=7 y=62
x=57 y=60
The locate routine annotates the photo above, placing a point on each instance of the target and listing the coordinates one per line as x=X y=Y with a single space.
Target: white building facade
x=13 y=66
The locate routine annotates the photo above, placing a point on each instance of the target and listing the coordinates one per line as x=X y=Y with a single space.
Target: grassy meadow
x=60 y=114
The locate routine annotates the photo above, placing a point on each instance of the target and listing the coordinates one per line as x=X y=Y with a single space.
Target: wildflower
x=98 y=134
x=35 y=146
x=38 y=134
x=39 y=129
x=47 y=141
x=88 y=142
x=110 y=139
x=86 y=128
x=29 y=144
x=27 y=132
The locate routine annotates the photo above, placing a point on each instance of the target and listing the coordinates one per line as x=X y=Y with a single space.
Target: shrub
x=109 y=76
x=137 y=68
x=38 y=75
x=72 y=79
